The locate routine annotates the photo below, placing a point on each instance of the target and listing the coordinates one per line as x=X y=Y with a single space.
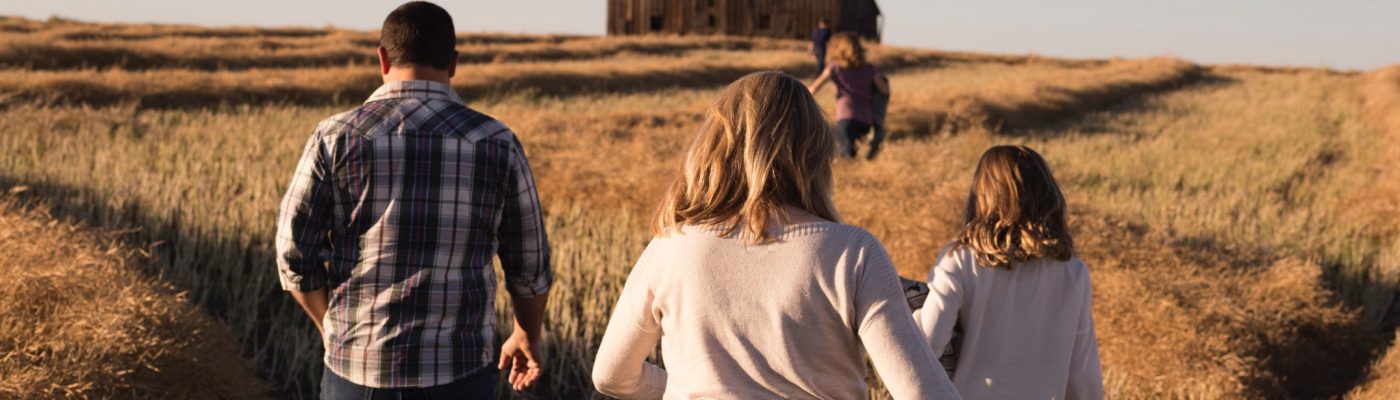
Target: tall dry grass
x=1222 y=178
x=64 y=29
x=81 y=320
x=229 y=167
x=66 y=44
x=350 y=84
x=1380 y=93
x=1021 y=102
x=205 y=185
x=1381 y=96
x=1384 y=379
x=1205 y=201
x=337 y=48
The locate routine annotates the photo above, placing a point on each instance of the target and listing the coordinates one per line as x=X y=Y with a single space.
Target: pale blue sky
x=1346 y=34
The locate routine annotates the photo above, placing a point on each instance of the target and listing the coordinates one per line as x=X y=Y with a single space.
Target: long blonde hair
x=764 y=144
x=846 y=51
x=1015 y=211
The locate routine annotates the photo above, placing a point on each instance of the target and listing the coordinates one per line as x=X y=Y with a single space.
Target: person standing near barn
x=857 y=83
x=820 y=36
x=387 y=232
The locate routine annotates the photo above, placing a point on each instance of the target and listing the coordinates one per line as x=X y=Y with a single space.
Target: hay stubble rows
x=1212 y=205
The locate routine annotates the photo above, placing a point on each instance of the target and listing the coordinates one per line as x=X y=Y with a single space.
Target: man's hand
x=520 y=360
x=315 y=303
x=520 y=357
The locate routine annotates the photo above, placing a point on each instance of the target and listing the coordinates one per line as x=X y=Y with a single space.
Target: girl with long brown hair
x=1012 y=288
x=752 y=285
x=857 y=85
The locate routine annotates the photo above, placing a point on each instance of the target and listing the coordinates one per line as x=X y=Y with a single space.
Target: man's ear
x=452 y=68
x=384 y=61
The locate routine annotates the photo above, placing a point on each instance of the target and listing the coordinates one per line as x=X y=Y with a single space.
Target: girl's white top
x=780 y=320
x=1028 y=332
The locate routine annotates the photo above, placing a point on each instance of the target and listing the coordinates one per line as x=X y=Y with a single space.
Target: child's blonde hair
x=846 y=51
x=764 y=144
x=1015 y=211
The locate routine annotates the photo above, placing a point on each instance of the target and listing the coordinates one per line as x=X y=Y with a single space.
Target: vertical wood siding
x=773 y=18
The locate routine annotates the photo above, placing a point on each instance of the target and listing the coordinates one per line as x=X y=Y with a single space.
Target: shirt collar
x=424 y=90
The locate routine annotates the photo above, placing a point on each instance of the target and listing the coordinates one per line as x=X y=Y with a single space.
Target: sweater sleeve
x=940 y=312
x=908 y=368
x=620 y=369
x=1085 y=374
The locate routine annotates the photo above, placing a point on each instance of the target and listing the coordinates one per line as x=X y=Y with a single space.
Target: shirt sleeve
x=620 y=368
x=888 y=332
x=304 y=221
x=1085 y=373
x=940 y=311
x=524 y=246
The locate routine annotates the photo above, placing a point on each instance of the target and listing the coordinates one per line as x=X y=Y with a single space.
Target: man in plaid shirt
x=390 y=223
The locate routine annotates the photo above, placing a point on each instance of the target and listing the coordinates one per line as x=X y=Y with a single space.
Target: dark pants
x=878 y=106
x=821 y=60
x=848 y=131
x=879 y=129
x=481 y=385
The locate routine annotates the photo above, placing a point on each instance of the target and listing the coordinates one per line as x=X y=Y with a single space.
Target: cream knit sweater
x=786 y=319
x=1028 y=331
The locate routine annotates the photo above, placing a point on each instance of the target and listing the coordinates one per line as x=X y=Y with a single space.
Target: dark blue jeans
x=481 y=385
x=821 y=60
x=848 y=131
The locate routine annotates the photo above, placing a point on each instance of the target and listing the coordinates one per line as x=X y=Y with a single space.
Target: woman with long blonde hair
x=857 y=85
x=752 y=285
x=1011 y=287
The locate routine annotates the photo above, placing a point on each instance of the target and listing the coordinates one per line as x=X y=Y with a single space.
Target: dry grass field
x=1240 y=223
x=82 y=321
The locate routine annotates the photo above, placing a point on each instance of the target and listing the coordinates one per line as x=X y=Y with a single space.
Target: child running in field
x=1013 y=287
x=857 y=85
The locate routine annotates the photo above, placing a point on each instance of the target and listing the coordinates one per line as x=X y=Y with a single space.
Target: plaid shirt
x=408 y=197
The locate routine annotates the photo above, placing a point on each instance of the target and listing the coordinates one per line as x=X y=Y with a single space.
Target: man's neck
x=417 y=74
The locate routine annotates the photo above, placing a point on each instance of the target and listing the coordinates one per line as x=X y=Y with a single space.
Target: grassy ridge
x=83 y=321
x=348 y=85
x=38 y=52
x=1023 y=101
x=62 y=29
x=1381 y=94
x=70 y=45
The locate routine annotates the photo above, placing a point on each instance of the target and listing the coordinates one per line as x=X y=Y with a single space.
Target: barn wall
x=774 y=18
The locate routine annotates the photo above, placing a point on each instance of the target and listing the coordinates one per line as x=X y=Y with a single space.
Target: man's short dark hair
x=419 y=33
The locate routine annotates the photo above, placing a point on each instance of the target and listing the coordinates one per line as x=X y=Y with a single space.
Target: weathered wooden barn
x=772 y=18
